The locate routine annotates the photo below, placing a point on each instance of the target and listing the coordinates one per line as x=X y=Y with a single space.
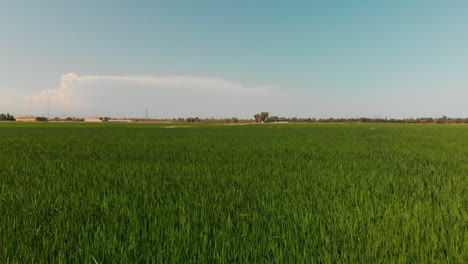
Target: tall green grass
x=144 y=193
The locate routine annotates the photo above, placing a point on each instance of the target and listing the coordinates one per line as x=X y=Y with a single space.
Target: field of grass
x=139 y=193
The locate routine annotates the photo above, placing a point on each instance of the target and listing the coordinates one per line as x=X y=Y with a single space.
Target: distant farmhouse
x=25 y=119
x=97 y=119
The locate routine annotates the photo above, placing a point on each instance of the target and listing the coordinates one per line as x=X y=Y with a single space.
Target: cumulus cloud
x=169 y=96
x=205 y=97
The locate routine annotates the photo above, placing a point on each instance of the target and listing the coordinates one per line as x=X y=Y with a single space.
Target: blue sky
x=323 y=58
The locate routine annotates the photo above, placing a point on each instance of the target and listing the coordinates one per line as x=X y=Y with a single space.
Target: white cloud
x=183 y=96
x=170 y=96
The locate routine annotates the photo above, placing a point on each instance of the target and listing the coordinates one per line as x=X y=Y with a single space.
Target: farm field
x=210 y=193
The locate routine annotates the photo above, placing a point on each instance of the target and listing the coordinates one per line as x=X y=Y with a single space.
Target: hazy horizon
x=223 y=59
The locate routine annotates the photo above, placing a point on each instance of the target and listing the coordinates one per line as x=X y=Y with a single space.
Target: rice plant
x=161 y=193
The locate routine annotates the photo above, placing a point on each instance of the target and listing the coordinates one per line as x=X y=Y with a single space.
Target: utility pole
x=48 y=109
x=146 y=113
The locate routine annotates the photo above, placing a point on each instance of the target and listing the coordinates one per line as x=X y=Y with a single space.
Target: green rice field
x=212 y=193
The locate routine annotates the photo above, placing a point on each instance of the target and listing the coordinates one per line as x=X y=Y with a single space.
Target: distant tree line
x=42 y=119
x=193 y=119
x=7 y=117
x=264 y=117
x=68 y=119
x=422 y=120
x=231 y=120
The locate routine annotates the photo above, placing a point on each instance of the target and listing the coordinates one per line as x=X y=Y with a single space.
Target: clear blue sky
x=397 y=57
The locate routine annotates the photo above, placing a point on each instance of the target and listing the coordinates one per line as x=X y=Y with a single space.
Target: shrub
x=42 y=119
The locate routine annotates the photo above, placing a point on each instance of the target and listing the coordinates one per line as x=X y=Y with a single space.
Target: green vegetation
x=260 y=118
x=7 y=117
x=206 y=193
x=42 y=119
x=422 y=120
x=231 y=120
x=193 y=119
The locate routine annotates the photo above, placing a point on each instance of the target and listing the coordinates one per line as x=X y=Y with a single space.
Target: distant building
x=25 y=119
x=97 y=119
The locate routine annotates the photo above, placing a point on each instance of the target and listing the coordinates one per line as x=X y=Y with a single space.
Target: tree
x=232 y=120
x=41 y=118
x=271 y=119
x=7 y=117
x=193 y=119
x=260 y=118
x=442 y=120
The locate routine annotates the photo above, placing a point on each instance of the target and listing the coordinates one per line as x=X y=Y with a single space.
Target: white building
x=25 y=118
x=97 y=119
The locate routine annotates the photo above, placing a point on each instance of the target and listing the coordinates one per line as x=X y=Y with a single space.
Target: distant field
x=138 y=193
